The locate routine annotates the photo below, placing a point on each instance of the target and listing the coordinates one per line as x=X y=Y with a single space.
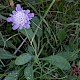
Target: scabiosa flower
x=20 y=18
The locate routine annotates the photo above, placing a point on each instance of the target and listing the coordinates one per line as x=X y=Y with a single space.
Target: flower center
x=20 y=18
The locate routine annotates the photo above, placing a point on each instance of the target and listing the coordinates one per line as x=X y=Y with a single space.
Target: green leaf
x=28 y=72
x=7 y=44
x=27 y=32
x=69 y=1
x=23 y=58
x=70 y=56
x=30 y=49
x=35 y=22
x=5 y=54
x=61 y=35
x=12 y=76
x=58 y=61
x=2 y=17
x=79 y=63
x=34 y=2
x=3 y=41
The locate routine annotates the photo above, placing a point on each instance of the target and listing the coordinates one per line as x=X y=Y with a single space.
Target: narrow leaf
x=5 y=54
x=61 y=35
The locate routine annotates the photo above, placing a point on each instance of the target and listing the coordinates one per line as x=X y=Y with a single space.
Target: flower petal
x=30 y=15
x=9 y=19
x=27 y=11
x=15 y=27
x=27 y=26
x=18 y=7
x=14 y=12
x=28 y=22
x=10 y=15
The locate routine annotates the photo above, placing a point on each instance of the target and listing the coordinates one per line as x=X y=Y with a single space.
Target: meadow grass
x=49 y=49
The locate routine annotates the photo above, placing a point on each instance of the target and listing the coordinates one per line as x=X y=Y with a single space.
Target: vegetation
x=49 y=49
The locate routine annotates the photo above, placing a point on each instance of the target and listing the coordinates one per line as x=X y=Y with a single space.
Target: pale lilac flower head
x=20 y=18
